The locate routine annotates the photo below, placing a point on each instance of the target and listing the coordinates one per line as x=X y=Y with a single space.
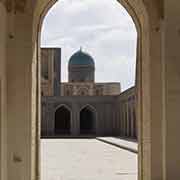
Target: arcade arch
x=87 y=120
x=62 y=121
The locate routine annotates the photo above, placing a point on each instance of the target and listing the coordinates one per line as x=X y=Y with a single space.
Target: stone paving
x=86 y=159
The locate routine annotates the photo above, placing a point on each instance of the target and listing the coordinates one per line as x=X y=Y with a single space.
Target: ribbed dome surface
x=81 y=58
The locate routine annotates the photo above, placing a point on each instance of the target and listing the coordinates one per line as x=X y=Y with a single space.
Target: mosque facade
x=82 y=107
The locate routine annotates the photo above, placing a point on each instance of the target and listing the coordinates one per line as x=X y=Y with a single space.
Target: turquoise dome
x=81 y=58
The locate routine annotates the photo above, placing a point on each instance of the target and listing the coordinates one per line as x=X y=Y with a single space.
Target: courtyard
x=86 y=159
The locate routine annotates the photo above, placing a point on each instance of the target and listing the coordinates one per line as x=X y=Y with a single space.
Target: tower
x=50 y=71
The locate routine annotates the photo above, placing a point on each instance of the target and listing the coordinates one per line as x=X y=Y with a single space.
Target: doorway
x=62 y=121
x=87 y=121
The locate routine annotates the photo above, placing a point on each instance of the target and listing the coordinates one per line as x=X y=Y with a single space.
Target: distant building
x=81 y=106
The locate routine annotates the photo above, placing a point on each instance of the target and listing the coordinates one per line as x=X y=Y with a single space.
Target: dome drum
x=81 y=67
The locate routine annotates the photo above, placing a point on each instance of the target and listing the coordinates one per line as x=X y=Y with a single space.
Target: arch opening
x=87 y=121
x=62 y=121
x=140 y=17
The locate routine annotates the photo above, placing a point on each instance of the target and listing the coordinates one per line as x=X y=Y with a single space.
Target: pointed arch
x=62 y=120
x=145 y=17
x=89 y=106
x=88 y=118
x=63 y=105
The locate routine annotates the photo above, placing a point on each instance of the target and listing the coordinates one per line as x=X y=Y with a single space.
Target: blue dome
x=81 y=58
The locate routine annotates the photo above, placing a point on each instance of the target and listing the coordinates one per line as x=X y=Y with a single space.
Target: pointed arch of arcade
x=62 y=120
x=88 y=119
x=146 y=17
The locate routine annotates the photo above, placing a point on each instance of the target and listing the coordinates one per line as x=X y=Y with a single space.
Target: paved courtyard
x=86 y=159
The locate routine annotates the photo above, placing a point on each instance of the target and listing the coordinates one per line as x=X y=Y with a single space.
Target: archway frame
x=93 y=109
x=89 y=106
x=69 y=109
x=63 y=105
x=137 y=10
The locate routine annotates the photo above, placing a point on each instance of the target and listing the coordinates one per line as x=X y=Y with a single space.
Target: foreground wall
x=3 y=91
x=20 y=94
x=171 y=80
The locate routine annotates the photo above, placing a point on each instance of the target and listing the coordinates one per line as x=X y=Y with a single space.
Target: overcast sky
x=103 y=28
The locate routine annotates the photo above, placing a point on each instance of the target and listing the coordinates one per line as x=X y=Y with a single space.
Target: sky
x=102 y=28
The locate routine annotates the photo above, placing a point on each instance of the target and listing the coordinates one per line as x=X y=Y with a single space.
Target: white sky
x=103 y=28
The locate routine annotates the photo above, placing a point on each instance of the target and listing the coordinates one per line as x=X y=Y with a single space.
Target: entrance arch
x=87 y=121
x=146 y=17
x=62 y=121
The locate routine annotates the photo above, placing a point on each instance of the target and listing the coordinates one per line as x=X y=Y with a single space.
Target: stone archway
x=62 y=121
x=87 y=121
x=148 y=48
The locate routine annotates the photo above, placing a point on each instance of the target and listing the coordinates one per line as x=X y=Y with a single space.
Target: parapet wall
x=90 y=89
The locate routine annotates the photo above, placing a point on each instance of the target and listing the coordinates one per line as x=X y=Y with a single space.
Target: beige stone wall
x=21 y=100
x=171 y=74
x=3 y=89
